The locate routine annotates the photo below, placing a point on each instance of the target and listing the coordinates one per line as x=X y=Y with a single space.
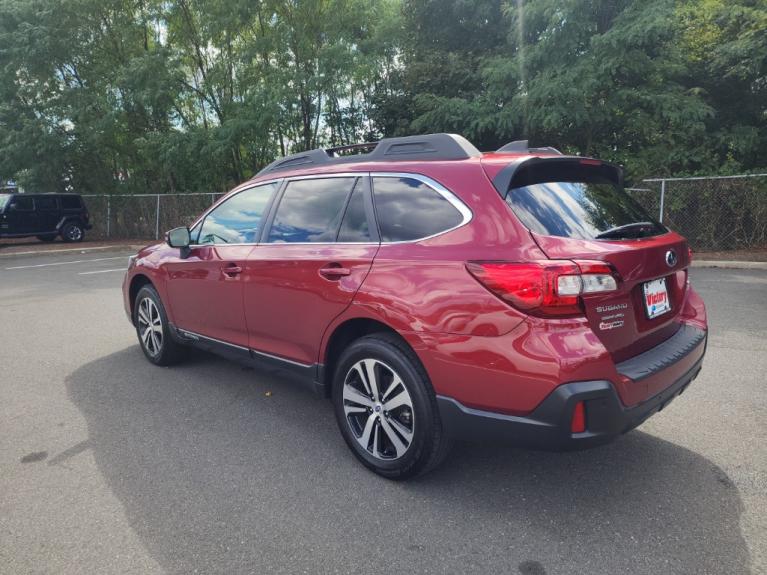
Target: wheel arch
x=137 y=282
x=342 y=335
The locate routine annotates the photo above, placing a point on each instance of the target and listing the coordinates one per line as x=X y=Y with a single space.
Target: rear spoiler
x=503 y=181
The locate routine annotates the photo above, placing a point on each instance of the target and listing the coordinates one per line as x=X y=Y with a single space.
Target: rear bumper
x=548 y=426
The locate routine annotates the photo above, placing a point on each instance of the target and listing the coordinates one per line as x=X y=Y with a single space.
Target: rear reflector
x=547 y=287
x=578 y=423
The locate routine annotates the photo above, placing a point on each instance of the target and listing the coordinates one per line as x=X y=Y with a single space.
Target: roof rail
x=521 y=147
x=426 y=147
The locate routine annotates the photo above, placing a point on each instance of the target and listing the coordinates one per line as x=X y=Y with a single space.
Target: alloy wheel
x=378 y=409
x=150 y=326
x=74 y=233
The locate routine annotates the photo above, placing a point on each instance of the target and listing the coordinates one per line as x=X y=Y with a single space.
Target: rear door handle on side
x=231 y=271
x=334 y=273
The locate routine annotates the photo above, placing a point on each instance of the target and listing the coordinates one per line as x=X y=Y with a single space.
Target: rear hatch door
x=576 y=209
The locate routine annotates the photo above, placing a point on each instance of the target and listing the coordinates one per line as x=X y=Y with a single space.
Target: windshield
x=582 y=203
x=4 y=200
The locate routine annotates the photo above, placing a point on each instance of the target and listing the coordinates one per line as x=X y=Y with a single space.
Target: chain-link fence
x=713 y=213
x=143 y=215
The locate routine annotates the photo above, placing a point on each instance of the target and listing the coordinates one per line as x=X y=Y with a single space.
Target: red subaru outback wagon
x=434 y=292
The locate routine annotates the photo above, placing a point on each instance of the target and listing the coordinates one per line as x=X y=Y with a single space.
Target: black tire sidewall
x=163 y=357
x=424 y=408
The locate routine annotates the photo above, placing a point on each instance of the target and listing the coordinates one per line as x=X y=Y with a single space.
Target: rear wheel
x=153 y=329
x=47 y=237
x=386 y=408
x=72 y=232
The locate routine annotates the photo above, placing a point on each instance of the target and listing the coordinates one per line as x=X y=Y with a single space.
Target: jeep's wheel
x=72 y=232
x=386 y=408
x=153 y=329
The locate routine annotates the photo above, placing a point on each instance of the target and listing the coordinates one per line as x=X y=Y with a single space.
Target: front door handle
x=334 y=272
x=232 y=270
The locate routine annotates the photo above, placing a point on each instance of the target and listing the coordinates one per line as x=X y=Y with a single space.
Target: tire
x=47 y=237
x=72 y=232
x=158 y=344
x=404 y=440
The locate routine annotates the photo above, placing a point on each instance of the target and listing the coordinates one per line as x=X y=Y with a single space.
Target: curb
x=729 y=264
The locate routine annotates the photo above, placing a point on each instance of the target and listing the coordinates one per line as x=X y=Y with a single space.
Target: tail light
x=546 y=288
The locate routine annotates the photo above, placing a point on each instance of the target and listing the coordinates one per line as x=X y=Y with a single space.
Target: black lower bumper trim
x=548 y=427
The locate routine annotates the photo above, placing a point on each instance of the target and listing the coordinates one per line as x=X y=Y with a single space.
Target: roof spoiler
x=426 y=147
x=503 y=179
x=521 y=147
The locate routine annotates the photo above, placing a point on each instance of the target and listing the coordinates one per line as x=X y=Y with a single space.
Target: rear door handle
x=334 y=273
x=231 y=270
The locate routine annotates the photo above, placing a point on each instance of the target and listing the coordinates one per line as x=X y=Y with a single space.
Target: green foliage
x=124 y=96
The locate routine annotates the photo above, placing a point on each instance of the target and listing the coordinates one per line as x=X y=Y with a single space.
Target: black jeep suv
x=44 y=216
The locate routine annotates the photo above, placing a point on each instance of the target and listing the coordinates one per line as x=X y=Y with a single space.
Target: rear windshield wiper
x=620 y=231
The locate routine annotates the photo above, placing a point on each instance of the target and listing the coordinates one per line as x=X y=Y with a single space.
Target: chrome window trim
x=466 y=214
x=456 y=202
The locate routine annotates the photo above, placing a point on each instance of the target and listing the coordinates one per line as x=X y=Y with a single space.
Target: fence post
x=662 y=198
x=157 y=220
x=109 y=214
x=212 y=199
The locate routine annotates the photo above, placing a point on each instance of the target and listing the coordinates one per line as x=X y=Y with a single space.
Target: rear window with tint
x=46 y=203
x=408 y=209
x=71 y=202
x=354 y=227
x=311 y=210
x=577 y=201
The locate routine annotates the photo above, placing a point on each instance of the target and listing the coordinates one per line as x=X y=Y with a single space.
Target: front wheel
x=153 y=329
x=386 y=408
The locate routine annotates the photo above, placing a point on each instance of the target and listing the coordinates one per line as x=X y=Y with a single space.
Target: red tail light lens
x=548 y=288
x=578 y=422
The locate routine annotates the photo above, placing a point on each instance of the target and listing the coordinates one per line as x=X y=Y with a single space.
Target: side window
x=71 y=202
x=238 y=219
x=408 y=209
x=24 y=204
x=46 y=203
x=354 y=227
x=311 y=210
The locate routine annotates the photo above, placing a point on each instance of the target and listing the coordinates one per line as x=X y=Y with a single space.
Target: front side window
x=4 y=198
x=23 y=204
x=237 y=220
x=311 y=210
x=408 y=209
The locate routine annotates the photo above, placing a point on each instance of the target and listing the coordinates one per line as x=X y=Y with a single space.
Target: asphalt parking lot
x=111 y=465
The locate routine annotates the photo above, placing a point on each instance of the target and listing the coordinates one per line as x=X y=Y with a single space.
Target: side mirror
x=179 y=238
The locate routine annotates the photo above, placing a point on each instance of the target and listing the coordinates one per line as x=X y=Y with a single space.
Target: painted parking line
x=66 y=250
x=67 y=263
x=101 y=271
